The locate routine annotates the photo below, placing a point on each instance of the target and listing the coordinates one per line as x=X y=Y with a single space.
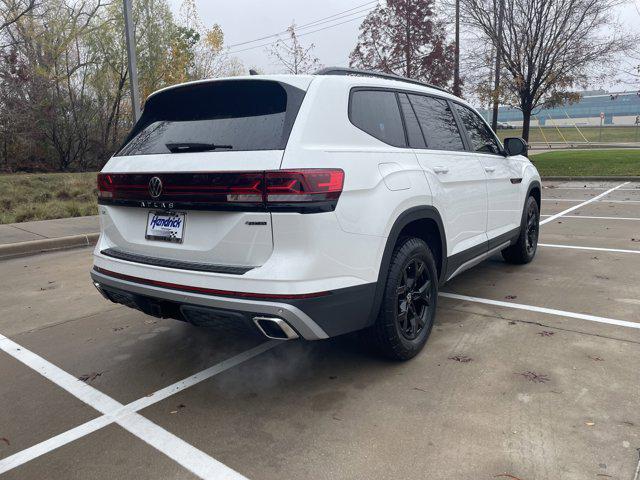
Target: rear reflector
x=265 y=190
x=209 y=291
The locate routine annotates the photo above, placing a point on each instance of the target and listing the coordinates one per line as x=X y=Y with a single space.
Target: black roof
x=368 y=73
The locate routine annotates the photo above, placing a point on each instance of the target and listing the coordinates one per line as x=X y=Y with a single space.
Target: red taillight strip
x=265 y=187
x=209 y=291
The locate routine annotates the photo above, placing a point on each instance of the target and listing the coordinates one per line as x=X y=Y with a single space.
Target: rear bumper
x=340 y=311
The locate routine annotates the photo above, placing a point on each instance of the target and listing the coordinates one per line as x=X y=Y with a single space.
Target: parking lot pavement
x=531 y=372
x=593 y=232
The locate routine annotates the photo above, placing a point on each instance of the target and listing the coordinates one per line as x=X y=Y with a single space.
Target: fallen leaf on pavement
x=596 y=358
x=461 y=358
x=507 y=475
x=545 y=333
x=511 y=297
x=5 y=440
x=89 y=377
x=534 y=377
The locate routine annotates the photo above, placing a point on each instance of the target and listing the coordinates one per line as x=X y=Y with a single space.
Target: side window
x=416 y=139
x=482 y=138
x=437 y=122
x=376 y=112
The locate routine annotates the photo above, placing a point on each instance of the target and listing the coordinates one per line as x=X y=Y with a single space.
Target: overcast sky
x=245 y=20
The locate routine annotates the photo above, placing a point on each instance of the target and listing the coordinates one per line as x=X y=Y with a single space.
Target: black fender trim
x=426 y=212
x=532 y=185
x=523 y=219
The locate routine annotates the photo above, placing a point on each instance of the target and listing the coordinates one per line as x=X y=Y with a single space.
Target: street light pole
x=456 y=54
x=496 y=81
x=131 y=55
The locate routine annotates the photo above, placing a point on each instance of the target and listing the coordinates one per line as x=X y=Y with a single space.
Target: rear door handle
x=490 y=169
x=441 y=169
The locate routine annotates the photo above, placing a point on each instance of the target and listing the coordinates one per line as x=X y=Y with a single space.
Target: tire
x=526 y=246
x=409 y=301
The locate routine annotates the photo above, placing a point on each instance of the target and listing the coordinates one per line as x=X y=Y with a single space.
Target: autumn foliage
x=407 y=38
x=64 y=81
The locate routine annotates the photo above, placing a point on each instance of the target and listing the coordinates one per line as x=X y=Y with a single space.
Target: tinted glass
x=377 y=113
x=482 y=138
x=437 y=122
x=416 y=140
x=234 y=115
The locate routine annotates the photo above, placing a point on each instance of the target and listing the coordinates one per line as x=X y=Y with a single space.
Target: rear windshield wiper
x=195 y=147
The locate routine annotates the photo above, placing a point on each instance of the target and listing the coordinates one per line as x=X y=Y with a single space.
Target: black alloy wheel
x=408 y=305
x=524 y=248
x=414 y=299
x=533 y=228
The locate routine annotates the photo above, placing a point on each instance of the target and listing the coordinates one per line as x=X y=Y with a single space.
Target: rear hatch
x=187 y=186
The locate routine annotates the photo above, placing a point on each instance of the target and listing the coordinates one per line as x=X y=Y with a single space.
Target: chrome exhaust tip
x=275 y=328
x=99 y=288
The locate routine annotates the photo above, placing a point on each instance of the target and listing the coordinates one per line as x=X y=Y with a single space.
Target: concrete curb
x=599 y=178
x=37 y=246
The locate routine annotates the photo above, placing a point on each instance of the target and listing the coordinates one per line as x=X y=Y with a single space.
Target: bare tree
x=14 y=10
x=292 y=55
x=549 y=47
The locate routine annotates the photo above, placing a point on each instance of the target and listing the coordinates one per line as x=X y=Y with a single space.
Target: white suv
x=309 y=206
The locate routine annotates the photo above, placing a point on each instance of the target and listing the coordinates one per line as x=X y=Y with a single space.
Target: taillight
x=105 y=186
x=303 y=185
x=305 y=190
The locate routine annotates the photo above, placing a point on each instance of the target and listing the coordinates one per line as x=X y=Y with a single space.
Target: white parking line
x=591 y=188
x=596 y=218
x=575 y=207
x=574 y=200
x=28 y=454
x=598 y=249
x=549 y=311
x=194 y=460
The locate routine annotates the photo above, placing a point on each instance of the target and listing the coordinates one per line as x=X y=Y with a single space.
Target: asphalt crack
x=63 y=322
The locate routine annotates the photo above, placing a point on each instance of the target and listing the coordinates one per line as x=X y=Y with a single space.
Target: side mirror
x=515 y=146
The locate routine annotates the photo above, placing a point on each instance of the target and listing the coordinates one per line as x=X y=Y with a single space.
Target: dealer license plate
x=168 y=227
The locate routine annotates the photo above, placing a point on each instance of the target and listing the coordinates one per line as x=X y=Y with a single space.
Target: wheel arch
x=423 y=222
x=534 y=190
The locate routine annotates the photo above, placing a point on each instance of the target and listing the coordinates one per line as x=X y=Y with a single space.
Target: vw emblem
x=155 y=187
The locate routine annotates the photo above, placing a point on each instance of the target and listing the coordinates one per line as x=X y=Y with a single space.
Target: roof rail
x=368 y=73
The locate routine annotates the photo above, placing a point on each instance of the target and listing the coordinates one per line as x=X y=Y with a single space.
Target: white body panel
x=503 y=196
x=460 y=194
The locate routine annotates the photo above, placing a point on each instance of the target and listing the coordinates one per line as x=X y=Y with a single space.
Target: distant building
x=619 y=108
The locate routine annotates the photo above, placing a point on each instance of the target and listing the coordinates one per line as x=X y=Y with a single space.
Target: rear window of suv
x=376 y=112
x=227 y=115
